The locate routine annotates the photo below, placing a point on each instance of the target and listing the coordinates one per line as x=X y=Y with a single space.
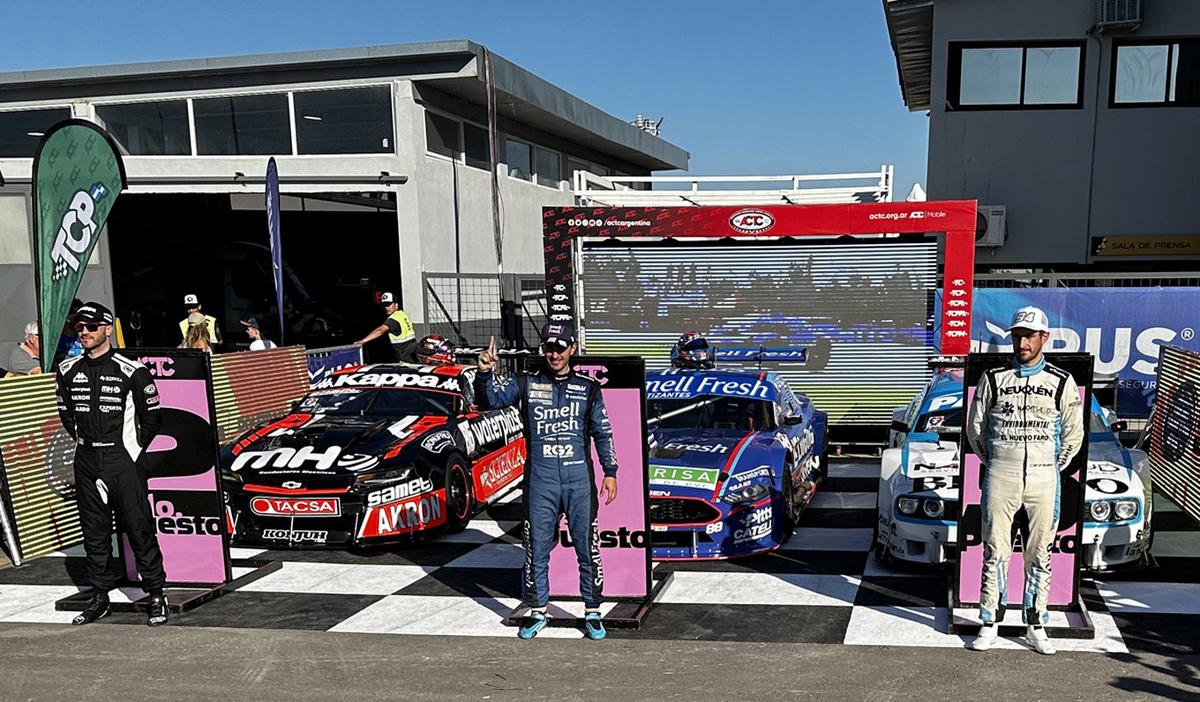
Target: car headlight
x=908 y=505
x=1125 y=509
x=383 y=478
x=750 y=494
x=933 y=508
x=1100 y=510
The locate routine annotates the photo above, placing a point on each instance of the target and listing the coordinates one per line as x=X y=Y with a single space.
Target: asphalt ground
x=137 y=663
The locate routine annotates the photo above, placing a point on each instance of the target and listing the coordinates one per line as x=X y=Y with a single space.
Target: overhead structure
x=592 y=190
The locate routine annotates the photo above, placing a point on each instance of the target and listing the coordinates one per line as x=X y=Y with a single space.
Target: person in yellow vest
x=399 y=329
x=191 y=303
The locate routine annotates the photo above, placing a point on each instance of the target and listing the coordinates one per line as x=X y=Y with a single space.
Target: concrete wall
x=1065 y=175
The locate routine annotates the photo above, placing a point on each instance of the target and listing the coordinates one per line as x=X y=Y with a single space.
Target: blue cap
x=558 y=333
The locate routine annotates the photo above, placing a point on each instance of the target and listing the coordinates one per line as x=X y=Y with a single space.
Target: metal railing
x=819 y=188
x=1031 y=279
x=470 y=308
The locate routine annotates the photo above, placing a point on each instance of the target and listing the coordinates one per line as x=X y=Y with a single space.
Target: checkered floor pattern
x=823 y=587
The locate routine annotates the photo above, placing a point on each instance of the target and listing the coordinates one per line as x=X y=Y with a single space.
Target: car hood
x=697 y=448
x=324 y=445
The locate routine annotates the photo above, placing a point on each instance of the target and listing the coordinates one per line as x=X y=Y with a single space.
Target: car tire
x=460 y=501
x=789 y=505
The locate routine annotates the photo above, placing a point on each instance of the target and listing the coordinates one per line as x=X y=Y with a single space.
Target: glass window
x=549 y=168
x=1141 y=74
x=576 y=165
x=475 y=145
x=518 y=159
x=990 y=77
x=1185 y=74
x=248 y=124
x=441 y=135
x=350 y=121
x=149 y=128
x=21 y=131
x=1052 y=75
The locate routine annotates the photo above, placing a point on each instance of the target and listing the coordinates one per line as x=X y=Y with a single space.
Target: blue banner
x=322 y=362
x=272 y=191
x=1122 y=327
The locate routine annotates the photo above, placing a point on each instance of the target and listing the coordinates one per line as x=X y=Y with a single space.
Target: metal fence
x=470 y=308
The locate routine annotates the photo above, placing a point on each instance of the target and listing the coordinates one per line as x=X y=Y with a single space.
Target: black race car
x=372 y=454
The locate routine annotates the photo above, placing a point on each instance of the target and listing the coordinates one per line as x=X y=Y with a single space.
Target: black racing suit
x=110 y=406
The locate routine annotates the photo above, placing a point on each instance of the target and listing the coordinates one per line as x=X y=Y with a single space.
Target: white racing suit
x=1025 y=424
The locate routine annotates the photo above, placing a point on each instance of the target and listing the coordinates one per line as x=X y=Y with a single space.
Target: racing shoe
x=534 y=622
x=985 y=640
x=1037 y=638
x=593 y=626
x=157 y=613
x=98 y=607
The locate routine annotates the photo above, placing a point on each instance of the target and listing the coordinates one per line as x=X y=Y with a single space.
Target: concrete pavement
x=126 y=662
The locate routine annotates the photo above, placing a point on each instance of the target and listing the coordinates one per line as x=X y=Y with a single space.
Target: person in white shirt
x=257 y=342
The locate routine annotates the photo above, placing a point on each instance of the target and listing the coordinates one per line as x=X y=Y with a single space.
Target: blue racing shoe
x=593 y=626
x=534 y=622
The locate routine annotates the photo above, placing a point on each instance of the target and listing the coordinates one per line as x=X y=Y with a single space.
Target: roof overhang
x=910 y=28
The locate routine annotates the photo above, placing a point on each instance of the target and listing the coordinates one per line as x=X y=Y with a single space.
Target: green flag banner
x=77 y=175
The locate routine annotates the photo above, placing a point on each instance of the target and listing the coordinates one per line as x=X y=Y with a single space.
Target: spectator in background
x=399 y=329
x=196 y=336
x=69 y=345
x=191 y=303
x=257 y=342
x=26 y=357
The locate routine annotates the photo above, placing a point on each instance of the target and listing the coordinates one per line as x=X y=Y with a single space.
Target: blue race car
x=735 y=456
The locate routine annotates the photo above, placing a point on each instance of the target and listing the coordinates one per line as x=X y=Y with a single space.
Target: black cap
x=252 y=323
x=558 y=333
x=92 y=312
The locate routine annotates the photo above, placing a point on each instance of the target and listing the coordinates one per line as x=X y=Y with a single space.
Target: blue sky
x=751 y=87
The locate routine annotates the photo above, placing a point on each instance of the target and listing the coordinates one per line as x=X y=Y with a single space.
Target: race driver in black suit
x=110 y=406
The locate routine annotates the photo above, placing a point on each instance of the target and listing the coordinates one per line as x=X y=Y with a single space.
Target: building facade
x=1079 y=118
x=384 y=155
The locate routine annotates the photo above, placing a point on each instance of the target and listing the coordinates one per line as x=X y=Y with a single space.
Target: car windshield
x=711 y=412
x=386 y=402
x=947 y=425
x=1098 y=426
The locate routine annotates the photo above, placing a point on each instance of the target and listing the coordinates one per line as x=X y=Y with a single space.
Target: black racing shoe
x=157 y=614
x=98 y=607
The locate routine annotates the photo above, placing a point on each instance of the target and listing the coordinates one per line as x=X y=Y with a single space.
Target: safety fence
x=37 y=488
x=471 y=308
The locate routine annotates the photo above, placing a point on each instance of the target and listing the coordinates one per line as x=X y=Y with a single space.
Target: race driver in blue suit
x=562 y=410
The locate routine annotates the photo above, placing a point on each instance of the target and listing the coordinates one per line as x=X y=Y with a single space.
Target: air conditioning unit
x=1118 y=14
x=990 y=227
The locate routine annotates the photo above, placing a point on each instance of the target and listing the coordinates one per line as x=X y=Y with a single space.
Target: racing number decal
x=933 y=483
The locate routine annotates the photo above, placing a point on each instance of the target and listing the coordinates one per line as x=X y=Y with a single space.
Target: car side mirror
x=899 y=426
x=792 y=421
x=1118 y=427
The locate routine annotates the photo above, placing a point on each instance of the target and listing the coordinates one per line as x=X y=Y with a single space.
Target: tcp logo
x=751 y=221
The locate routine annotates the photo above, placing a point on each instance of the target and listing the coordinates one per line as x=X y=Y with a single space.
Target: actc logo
x=751 y=221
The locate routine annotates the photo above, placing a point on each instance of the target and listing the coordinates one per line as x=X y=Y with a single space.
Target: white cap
x=191 y=300
x=387 y=298
x=1032 y=318
x=31 y=329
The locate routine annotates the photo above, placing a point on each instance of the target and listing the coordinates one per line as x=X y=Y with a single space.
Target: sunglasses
x=554 y=347
x=92 y=327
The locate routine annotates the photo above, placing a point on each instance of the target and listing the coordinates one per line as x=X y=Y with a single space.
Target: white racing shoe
x=986 y=639
x=1037 y=638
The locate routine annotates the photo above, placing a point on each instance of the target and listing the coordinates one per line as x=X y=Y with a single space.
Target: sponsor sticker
x=405 y=516
x=296 y=507
x=701 y=478
x=315 y=536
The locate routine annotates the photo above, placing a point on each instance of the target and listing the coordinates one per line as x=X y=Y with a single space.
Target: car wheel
x=459 y=501
x=789 y=506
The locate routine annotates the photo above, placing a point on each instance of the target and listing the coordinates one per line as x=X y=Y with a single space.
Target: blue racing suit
x=561 y=414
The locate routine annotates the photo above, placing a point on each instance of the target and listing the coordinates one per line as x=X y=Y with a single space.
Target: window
x=475 y=146
x=149 y=128
x=442 y=135
x=21 y=131
x=517 y=156
x=350 y=121
x=244 y=125
x=1157 y=74
x=1015 y=76
x=549 y=168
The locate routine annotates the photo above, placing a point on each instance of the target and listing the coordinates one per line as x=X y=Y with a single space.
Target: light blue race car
x=735 y=456
x=919 y=478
